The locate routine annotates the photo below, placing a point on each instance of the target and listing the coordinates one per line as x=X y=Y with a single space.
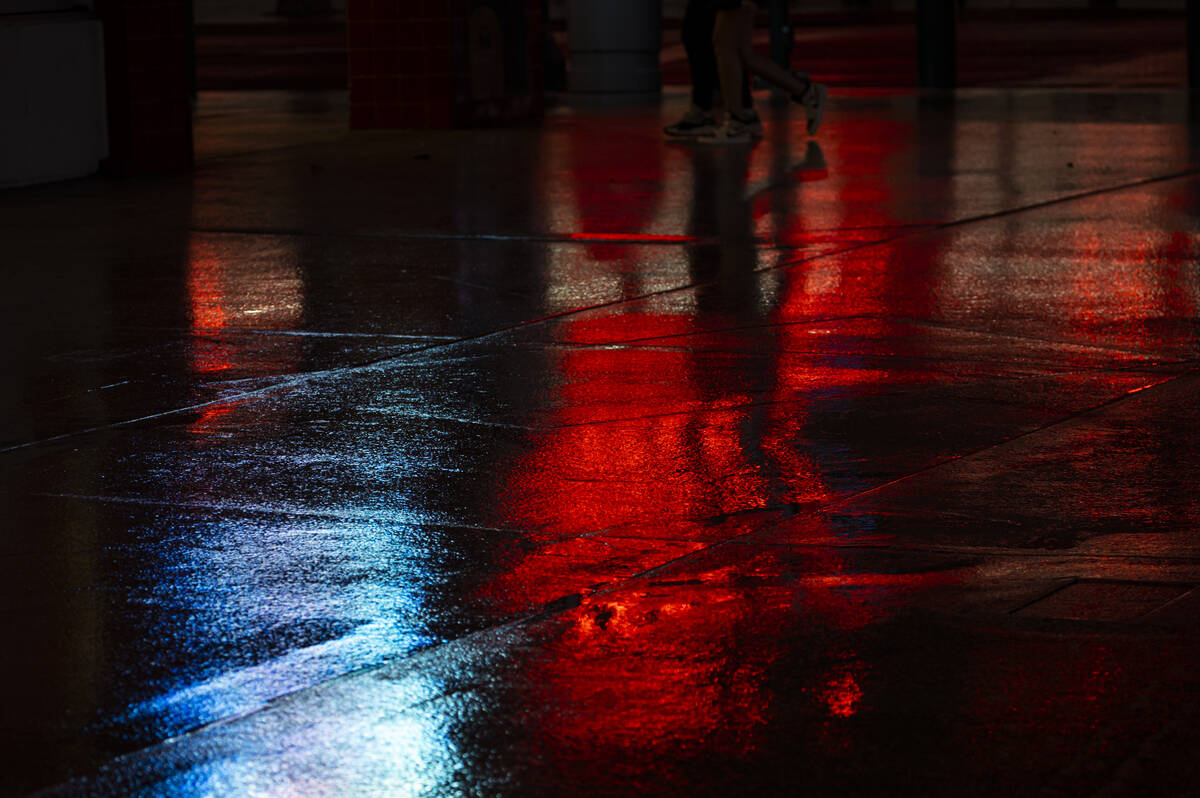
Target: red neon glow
x=684 y=411
x=843 y=694
x=209 y=313
x=234 y=305
x=648 y=440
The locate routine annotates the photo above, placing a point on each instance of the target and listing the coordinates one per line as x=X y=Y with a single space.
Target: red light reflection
x=234 y=306
x=209 y=313
x=843 y=694
x=618 y=181
x=647 y=436
x=670 y=431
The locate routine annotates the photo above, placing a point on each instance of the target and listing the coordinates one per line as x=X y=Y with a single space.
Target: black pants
x=699 y=18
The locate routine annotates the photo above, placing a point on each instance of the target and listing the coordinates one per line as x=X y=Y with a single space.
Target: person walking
x=699 y=21
x=733 y=31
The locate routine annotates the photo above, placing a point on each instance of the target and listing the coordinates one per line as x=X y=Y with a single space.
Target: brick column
x=148 y=80
x=443 y=63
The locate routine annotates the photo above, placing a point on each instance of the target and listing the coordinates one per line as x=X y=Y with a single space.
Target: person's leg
x=698 y=20
x=760 y=65
x=746 y=103
x=726 y=38
x=747 y=94
x=698 y=120
x=803 y=89
x=726 y=29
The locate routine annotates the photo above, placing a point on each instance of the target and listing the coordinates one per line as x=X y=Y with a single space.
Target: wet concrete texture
x=569 y=459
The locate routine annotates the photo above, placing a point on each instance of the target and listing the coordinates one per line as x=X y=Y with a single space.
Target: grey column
x=613 y=47
x=937 y=59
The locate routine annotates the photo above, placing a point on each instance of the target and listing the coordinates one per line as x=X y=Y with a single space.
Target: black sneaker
x=696 y=122
x=750 y=118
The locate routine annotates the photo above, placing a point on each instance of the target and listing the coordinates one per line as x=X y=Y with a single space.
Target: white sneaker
x=731 y=131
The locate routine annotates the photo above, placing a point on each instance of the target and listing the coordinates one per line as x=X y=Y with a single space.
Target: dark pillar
x=781 y=33
x=191 y=48
x=1193 y=44
x=554 y=66
x=52 y=121
x=148 y=80
x=937 y=62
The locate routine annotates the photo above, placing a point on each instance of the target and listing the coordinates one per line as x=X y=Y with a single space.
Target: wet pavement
x=567 y=459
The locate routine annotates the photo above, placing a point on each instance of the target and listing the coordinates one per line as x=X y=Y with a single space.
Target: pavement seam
x=941 y=325
x=740 y=328
x=766 y=527
x=175 y=746
x=1032 y=368
x=1070 y=419
x=304 y=378
x=571 y=601
x=331 y=514
x=559 y=606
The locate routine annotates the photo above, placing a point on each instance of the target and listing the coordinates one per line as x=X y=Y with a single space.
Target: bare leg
x=757 y=64
x=727 y=34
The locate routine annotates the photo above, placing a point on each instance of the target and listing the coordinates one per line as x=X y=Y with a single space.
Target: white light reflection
x=298 y=601
x=373 y=737
x=243 y=690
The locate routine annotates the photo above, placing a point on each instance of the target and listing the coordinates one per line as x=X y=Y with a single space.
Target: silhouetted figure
x=733 y=42
x=699 y=19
